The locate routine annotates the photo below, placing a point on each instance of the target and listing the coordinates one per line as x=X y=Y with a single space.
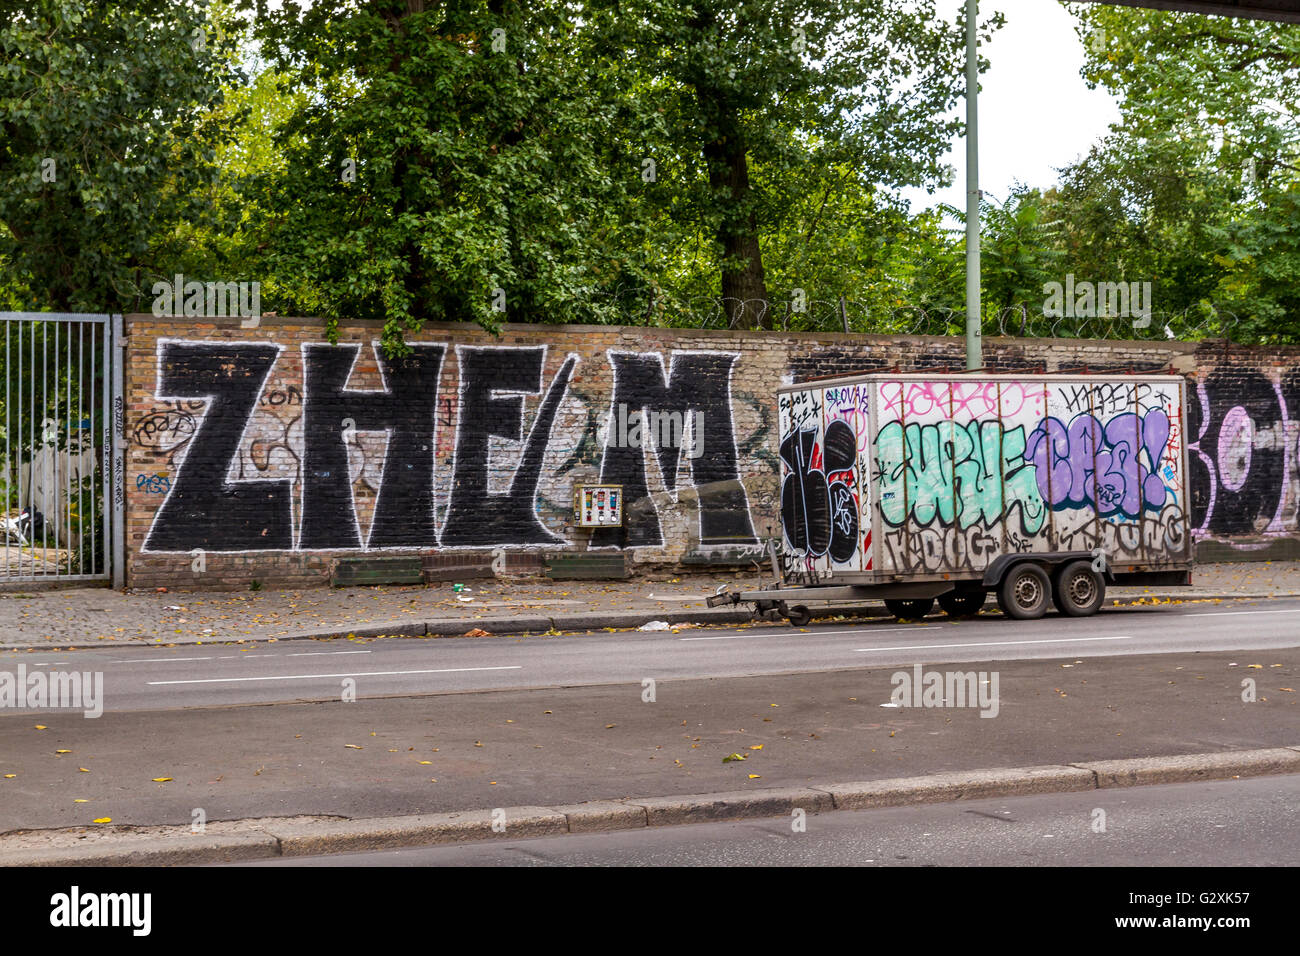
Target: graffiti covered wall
x=272 y=452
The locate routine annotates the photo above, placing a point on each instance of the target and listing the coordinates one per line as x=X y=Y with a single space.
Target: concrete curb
x=577 y=621
x=237 y=841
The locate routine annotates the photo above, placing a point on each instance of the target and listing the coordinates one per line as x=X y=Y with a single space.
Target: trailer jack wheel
x=799 y=615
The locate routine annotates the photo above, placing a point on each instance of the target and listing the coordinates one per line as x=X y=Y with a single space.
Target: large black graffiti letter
x=204 y=509
x=406 y=410
x=820 y=515
x=475 y=516
x=697 y=382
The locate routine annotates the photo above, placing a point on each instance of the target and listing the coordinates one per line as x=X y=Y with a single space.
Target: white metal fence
x=60 y=484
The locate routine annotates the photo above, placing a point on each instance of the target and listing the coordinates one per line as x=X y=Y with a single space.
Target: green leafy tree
x=106 y=134
x=770 y=102
x=450 y=161
x=1194 y=189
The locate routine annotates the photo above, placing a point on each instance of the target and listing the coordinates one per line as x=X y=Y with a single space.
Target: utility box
x=598 y=506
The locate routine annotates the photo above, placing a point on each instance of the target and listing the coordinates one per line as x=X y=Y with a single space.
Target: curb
x=265 y=838
x=577 y=621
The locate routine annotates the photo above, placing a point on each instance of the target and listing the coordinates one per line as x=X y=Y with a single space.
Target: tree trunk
x=744 y=289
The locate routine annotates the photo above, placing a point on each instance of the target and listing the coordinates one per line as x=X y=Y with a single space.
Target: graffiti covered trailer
x=1033 y=487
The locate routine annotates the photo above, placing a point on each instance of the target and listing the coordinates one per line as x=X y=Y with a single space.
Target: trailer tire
x=909 y=609
x=799 y=615
x=1077 y=589
x=963 y=603
x=1025 y=592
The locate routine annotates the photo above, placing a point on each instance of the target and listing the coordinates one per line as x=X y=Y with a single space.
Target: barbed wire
x=847 y=315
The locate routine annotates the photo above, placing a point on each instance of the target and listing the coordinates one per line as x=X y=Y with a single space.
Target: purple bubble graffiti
x=1086 y=463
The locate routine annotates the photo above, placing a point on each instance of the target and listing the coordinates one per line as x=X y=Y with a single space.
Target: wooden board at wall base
x=359 y=572
x=587 y=566
x=471 y=567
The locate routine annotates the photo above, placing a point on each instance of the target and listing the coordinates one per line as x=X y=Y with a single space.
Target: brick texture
x=265 y=454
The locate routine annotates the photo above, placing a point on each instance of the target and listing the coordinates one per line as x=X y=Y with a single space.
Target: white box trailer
x=1038 y=488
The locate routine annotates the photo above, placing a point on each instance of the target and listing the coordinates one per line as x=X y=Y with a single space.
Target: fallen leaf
x=754 y=776
x=104 y=820
x=353 y=747
x=756 y=747
x=83 y=770
x=40 y=727
x=425 y=763
x=80 y=801
x=63 y=751
x=731 y=757
x=160 y=779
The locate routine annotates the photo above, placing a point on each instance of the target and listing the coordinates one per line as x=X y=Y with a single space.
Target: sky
x=1036 y=114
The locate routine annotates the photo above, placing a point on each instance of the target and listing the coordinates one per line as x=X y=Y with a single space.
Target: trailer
x=1039 y=489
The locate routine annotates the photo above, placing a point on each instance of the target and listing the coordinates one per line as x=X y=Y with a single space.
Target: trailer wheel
x=800 y=615
x=962 y=603
x=1078 y=590
x=909 y=610
x=1024 y=592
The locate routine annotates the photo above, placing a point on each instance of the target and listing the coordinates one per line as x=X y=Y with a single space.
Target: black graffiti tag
x=820 y=515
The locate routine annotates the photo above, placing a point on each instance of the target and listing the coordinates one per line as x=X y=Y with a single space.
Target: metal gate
x=60 y=449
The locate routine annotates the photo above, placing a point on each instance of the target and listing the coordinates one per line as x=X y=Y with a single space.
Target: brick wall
x=265 y=454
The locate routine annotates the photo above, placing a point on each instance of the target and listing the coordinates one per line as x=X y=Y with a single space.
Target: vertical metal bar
x=100 y=528
x=45 y=471
x=9 y=460
x=19 y=429
x=113 y=333
x=90 y=409
x=81 y=451
x=31 y=446
x=60 y=466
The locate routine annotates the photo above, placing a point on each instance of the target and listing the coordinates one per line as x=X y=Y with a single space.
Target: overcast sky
x=1036 y=114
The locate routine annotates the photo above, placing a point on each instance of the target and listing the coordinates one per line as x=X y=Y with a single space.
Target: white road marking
x=238 y=680
x=1292 y=610
x=883 y=630
x=321 y=653
x=160 y=660
x=930 y=647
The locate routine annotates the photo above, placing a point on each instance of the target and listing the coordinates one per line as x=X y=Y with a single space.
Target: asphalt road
x=167 y=678
x=1253 y=822
x=381 y=756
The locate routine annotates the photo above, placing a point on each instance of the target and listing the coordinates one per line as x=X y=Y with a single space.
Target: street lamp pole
x=974 y=352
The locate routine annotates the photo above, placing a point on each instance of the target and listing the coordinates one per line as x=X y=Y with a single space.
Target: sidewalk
x=91 y=617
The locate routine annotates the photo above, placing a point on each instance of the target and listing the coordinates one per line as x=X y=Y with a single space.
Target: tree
x=770 y=102
x=105 y=140
x=1194 y=189
x=449 y=162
